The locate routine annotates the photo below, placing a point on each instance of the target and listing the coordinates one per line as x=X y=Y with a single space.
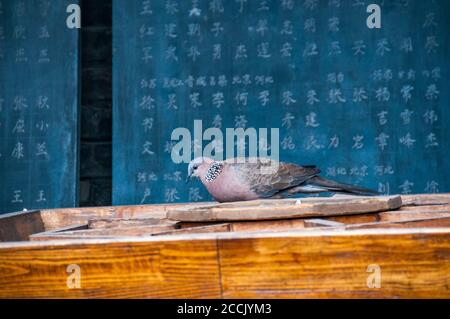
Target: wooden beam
x=57 y=218
x=103 y=223
x=414 y=263
x=282 y=209
x=441 y=221
x=102 y=233
x=426 y=199
x=154 y=269
x=316 y=222
x=19 y=226
x=217 y=228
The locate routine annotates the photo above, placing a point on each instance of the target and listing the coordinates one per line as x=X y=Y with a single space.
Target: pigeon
x=243 y=179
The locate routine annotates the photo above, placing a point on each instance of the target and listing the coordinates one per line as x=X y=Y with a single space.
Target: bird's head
x=197 y=167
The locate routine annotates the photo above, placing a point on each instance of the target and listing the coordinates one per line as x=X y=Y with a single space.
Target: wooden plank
x=103 y=233
x=152 y=269
x=19 y=226
x=217 y=228
x=402 y=214
x=316 y=222
x=406 y=223
x=281 y=209
x=426 y=199
x=268 y=225
x=57 y=218
x=414 y=263
x=102 y=223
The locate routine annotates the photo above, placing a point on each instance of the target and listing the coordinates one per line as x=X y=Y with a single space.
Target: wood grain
x=217 y=228
x=19 y=226
x=414 y=264
x=158 y=269
x=103 y=233
x=102 y=223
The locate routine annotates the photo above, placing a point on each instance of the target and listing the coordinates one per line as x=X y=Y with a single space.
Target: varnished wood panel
x=153 y=269
x=414 y=264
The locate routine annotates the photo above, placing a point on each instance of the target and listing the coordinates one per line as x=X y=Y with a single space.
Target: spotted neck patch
x=213 y=171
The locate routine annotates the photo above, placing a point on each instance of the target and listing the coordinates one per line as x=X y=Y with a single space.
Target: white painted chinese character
x=172 y=102
x=382 y=140
x=359 y=47
x=194 y=99
x=431 y=44
x=310 y=25
x=311 y=97
x=171 y=54
x=359 y=94
x=312 y=143
x=407 y=140
x=287 y=98
x=287 y=143
x=335 y=96
x=432 y=92
x=263 y=50
x=357 y=142
x=146 y=148
x=382 y=117
x=18 y=151
x=193 y=53
x=263 y=97
x=194 y=194
x=382 y=47
x=432 y=187
x=241 y=52
x=171 y=7
x=334 y=142
x=287 y=120
x=431 y=141
x=218 y=99
x=240 y=121
x=406 y=92
x=147 y=194
x=406 y=116
x=311 y=120
x=430 y=117
x=406 y=187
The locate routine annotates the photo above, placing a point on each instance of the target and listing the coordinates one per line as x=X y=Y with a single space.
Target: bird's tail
x=336 y=187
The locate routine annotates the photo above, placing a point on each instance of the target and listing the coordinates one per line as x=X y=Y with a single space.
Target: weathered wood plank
x=152 y=269
x=282 y=209
x=217 y=228
x=102 y=223
x=316 y=222
x=103 y=233
x=268 y=225
x=19 y=226
x=405 y=223
x=414 y=263
x=426 y=199
x=57 y=218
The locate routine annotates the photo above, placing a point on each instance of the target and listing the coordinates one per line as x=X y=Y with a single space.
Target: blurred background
x=86 y=114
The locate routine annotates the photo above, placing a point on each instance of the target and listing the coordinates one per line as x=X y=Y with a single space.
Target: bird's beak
x=188 y=178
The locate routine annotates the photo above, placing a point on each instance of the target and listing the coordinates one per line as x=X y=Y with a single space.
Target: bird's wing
x=266 y=182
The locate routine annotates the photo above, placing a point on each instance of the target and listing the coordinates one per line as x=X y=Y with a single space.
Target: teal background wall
x=39 y=126
x=368 y=106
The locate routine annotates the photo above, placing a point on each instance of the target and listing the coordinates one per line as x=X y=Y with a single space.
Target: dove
x=242 y=179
